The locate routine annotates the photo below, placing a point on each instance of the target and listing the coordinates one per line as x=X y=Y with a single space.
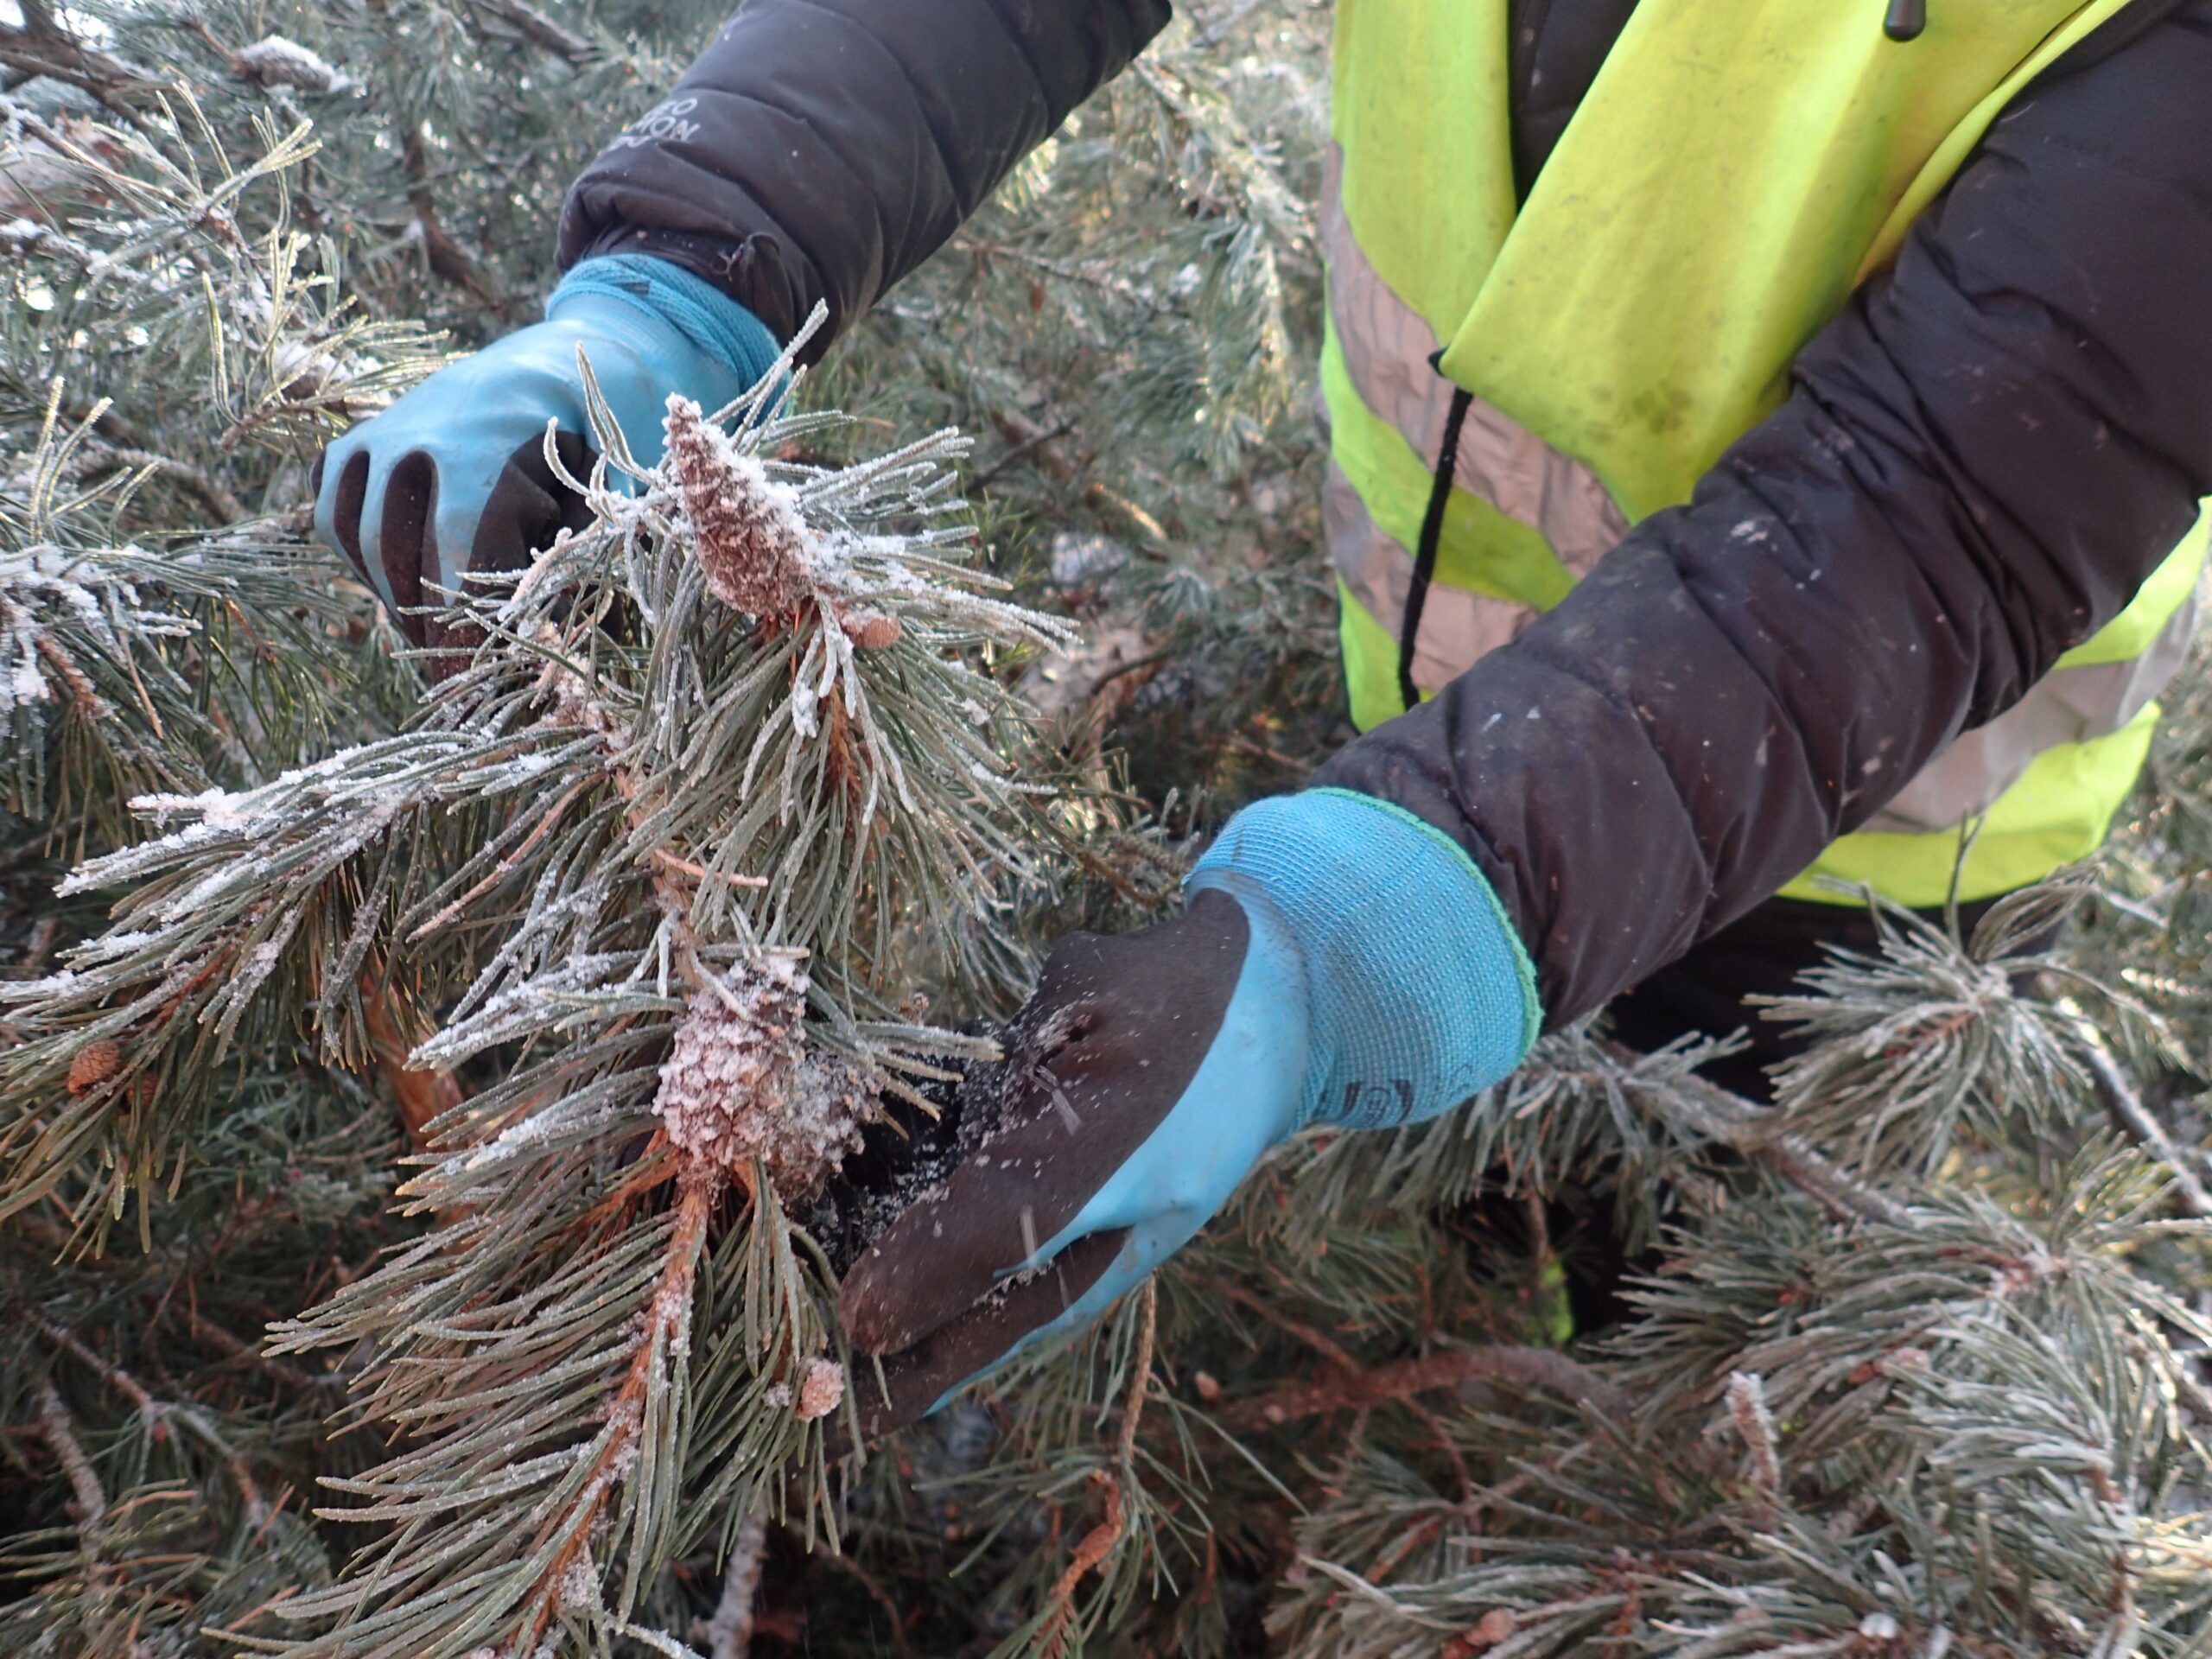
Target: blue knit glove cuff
x=1420 y=993
x=709 y=318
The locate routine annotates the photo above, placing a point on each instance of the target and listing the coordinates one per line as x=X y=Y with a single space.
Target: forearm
x=820 y=150
x=1982 y=460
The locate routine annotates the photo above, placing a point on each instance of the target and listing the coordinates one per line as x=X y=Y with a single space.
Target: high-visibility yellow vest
x=1737 y=170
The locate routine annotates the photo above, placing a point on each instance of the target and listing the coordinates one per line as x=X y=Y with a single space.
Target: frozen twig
x=540 y=30
x=41 y=46
x=729 y=1632
x=1747 y=1409
x=663 y=1344
x=61 y=1439
x=2135 y=1120
x=1544 y=1368
x=1096 y=1544
x=1754 y=1131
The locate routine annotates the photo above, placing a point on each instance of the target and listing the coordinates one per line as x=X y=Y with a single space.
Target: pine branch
x=1758 y=1132
x=444 y=256
x=729 y=1634
x=62 y=1439
x=541 y=30
x=221 y=504
x=1544 y=1368
x=41 y=47
x=2132 y=1118
x=1058 y=1630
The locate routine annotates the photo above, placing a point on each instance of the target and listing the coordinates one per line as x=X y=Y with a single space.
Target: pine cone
x=738 y=1083
x=93 y=1065
x=869 y=629
x=746 y=527
x=821 y=1389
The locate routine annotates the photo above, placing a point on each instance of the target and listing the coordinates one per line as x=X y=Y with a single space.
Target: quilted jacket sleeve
x=820 y=150
x=1984 y=456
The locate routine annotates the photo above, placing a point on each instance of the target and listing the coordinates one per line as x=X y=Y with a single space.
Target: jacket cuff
x=716 y=324
x=1420 y=993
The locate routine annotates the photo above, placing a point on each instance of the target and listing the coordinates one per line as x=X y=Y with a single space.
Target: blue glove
x=1341 y=961
x=452 y=477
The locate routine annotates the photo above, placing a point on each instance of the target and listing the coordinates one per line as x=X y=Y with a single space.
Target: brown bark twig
x=2134 y=1120
x=148 y=1408
x=668 y=1324
x=1321 y=1344
x=423 y=1097
x=447 y=258
x=42 y=47
x=541 y=30
x=239 y=1348
x=210 y=492
x=1099 y=1542
x=1544 y=1368
x=1755 y=1131
x=1028 y=438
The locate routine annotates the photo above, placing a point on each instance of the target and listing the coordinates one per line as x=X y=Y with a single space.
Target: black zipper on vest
x=1431 y=530
x=1905 y=20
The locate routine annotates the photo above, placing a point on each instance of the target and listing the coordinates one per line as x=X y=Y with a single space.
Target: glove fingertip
x=868 y=1310
x=339 y=517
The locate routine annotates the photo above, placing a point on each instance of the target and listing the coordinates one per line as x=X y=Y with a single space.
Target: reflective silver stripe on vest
x=2068 y=705
x=1387 y=348
x=1456 y=627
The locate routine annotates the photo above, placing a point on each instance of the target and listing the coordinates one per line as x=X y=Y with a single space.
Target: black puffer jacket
x=1983 y=457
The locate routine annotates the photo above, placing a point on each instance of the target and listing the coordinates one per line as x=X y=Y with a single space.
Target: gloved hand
x=452 y=477
x=1340 y=961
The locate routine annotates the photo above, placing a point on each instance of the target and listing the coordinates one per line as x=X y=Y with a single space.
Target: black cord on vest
x=1431 y=530
x=1905 y=20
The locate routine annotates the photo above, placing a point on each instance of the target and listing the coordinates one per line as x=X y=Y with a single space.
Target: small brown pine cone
x=744 y=526
x=869 y=629
x=1486 y=1633
x=93 y=1065
x=821 y=1389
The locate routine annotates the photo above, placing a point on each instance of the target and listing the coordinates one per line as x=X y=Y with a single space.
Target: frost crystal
x=43 y=587
x=751 y=542
x=739 y=1084
x=820 y=1390
x=579 y=1585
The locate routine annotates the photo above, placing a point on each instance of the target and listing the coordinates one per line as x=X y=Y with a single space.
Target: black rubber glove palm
x=1143 y=1080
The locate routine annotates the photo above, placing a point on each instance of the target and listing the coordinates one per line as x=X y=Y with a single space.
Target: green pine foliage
x=421 y=1106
